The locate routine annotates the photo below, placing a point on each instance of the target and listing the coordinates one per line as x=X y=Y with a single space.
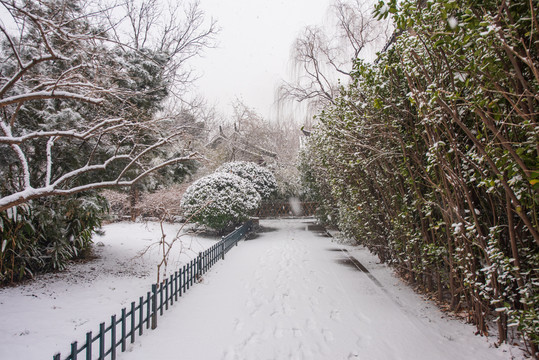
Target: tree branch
x=42 y=95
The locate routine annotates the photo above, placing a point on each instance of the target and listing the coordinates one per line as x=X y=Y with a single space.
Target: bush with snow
x=220 y=200
x=262 y=179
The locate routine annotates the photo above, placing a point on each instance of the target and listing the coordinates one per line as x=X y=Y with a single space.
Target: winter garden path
x=293 y=294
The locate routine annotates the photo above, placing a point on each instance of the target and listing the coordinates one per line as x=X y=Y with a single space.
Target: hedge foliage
x=430 y=157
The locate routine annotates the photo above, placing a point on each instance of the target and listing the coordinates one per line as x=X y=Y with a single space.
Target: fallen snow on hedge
x=220 y=200
x=262 y=178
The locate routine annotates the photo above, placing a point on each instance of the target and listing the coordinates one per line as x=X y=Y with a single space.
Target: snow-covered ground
x=287 y=294
x=44 y=316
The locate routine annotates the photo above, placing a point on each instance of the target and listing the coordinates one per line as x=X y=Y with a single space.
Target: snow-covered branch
x=31 y=193
x=101 y=128
x=42 y=95
x=20 y=155
x=79 y=105
x=136 y=158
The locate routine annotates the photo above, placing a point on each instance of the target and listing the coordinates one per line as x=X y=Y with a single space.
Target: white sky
x=254 y=47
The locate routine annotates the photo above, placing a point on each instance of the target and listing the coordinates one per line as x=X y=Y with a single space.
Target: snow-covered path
x=292 y=294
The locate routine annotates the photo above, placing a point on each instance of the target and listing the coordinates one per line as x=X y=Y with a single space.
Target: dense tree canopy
x=81 y=109
x=78 y=105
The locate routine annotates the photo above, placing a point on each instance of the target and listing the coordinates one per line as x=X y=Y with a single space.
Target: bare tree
x=77 y=106
x=249 y=137
x=179 y=30
x=322 y=56
x=358 y=29
x=312 y=56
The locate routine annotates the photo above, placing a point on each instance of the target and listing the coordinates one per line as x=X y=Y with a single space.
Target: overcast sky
x=254 y=47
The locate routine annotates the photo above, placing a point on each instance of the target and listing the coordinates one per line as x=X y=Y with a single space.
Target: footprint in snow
x=253 y=338
x=230 y=354
x=238 y=325
x=335 y=315
x=328 y=335
x=287 y=310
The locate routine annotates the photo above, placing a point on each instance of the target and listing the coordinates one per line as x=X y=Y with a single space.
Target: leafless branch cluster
x=322 y=56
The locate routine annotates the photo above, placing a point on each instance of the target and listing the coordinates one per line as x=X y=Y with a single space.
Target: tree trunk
x=133 y=198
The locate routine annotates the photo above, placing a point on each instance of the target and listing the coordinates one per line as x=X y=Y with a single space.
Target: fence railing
x=142 y=314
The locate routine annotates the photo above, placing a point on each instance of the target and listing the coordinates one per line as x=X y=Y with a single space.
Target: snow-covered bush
x=220 y=200
x=261 y=178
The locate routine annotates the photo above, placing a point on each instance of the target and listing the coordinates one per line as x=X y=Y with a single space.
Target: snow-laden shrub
x=262 y=179
x=220 y=200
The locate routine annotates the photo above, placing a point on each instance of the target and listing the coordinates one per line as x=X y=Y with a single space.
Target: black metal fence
x=142 y=314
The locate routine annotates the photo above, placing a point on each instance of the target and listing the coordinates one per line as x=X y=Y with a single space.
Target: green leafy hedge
x=45 y=235
x=430 y=157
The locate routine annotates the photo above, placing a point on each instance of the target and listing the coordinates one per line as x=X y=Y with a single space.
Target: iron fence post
x=124 y=328
x=175 y=285
x=89 y=343
x=154 y=306
x=133 y=322
x=141 y=315
x=74 y=350
x=113 y=337
x=148 y=313
x=171 y=283
x=199 y=258
x=102 y=341
x=223 y=241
